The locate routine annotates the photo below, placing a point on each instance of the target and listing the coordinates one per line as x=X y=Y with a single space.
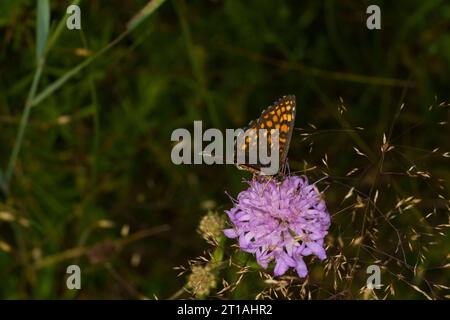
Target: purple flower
x=282 y=221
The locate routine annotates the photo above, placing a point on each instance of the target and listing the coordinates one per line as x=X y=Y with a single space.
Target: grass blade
x=149 y=8
x=134 y=22
x=59 y=28
x=74 y=71
x=42 y=28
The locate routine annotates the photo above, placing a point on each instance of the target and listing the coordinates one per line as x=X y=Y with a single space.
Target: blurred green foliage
x=96 y=151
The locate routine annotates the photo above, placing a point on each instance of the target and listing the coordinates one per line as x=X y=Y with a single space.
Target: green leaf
x=42 y=28
x=219 y=251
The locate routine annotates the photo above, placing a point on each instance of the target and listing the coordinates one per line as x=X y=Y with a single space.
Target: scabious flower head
x=281 y=221
x=211 y=226
x=201 y=280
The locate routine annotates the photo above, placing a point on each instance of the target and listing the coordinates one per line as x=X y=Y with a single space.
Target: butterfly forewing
x=280 y=116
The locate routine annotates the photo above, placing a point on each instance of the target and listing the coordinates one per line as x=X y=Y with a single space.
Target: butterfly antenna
x=231 y=197
x=321 y=179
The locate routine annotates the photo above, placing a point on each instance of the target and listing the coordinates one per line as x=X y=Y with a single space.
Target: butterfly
x=280 y=116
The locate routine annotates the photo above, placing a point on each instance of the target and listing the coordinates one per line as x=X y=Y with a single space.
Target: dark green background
x=99 y=146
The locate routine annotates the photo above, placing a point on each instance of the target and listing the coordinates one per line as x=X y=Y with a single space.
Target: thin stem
x=96 y=141
x=177 y=294
x=59 y=28
x=22 y=126
x=317 y=72
x=71 y=73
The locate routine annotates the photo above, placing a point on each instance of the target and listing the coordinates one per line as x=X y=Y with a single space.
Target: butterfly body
x=279 y=116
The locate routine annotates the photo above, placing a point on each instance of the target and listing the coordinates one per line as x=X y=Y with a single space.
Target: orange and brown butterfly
x=280 y=116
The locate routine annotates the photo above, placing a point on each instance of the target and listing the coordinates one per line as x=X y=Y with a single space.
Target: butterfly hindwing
x=281 y=116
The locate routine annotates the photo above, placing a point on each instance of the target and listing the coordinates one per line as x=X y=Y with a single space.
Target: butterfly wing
x=281 y=116
x=287 y=108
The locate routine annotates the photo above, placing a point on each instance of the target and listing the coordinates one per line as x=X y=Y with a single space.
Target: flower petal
x=280 y=267
x=301 y=268
x=263 y=258
x=317 y=250
x=230 y=233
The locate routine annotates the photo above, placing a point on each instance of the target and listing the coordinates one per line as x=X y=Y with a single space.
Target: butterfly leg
x=268 y=180
x=287 y=168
